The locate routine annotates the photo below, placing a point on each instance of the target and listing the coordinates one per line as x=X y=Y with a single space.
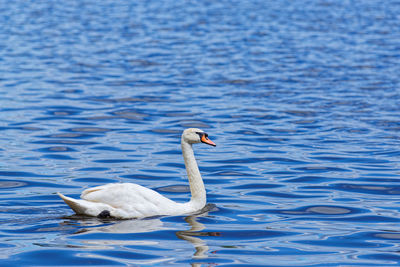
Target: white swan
x=126 y=200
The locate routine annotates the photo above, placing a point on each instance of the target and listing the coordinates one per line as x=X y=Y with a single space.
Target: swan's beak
x=204 y=139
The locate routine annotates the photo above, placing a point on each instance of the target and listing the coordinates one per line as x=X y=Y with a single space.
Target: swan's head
x=194 y=136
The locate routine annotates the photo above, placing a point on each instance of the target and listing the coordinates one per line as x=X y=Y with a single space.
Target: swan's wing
x=131 y=198
x=118 y=193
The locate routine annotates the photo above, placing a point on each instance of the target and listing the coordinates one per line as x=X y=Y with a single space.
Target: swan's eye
x=204 y=139
x=200 y=134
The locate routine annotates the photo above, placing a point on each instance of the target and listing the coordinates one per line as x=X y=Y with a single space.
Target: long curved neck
x=197 y=189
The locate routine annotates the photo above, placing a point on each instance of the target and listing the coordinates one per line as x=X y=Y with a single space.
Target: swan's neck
x=198 y=200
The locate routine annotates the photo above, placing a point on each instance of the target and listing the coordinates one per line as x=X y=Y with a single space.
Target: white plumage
x=127 y=200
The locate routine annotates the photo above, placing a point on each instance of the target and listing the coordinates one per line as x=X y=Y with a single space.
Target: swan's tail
x=74 y=204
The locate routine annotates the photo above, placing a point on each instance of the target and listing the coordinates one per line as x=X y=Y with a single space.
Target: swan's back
x=134 y=199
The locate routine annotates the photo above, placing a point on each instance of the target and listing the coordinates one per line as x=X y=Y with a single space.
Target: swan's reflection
x=90 y=225
x=193 y=235
x=121 y=227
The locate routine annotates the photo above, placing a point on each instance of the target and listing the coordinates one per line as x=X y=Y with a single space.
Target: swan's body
x=126 y=200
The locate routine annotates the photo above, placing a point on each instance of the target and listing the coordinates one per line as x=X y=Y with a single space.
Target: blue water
x=301 y=97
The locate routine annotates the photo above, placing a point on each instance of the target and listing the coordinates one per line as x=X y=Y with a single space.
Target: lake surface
x=301 y=97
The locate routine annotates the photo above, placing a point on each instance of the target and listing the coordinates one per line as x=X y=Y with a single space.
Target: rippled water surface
x=301 y=97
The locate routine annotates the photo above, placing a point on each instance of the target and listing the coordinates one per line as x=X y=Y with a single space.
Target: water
x=301 y=97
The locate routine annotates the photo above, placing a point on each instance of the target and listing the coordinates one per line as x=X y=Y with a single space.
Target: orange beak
x=207 y=141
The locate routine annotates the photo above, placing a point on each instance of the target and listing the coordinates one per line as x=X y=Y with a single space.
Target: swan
x=128 y=200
